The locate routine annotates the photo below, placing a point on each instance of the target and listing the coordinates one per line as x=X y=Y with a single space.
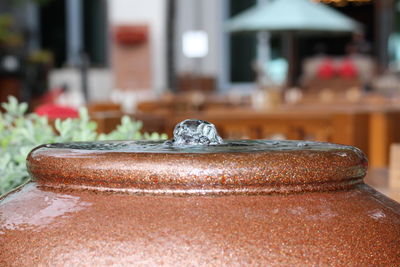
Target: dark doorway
x=243 y=47
x=53 y=30
x=95 y=31
x=333 y=44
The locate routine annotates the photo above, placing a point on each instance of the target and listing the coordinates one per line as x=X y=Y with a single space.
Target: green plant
x=8 y=35
x=21 y=132
x=21 y=2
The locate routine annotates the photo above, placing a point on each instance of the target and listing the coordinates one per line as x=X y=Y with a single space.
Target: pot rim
x=261 y=167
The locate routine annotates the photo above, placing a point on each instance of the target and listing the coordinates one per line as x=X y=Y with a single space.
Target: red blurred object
x=52 y=95
x=326 y=70
x=347 y=69
x=131 y=35
x=54 y=111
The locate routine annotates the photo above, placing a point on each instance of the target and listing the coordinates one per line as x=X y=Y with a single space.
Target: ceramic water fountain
x=198 y=200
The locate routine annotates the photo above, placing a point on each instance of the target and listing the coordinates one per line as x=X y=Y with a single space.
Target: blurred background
x=323 y=70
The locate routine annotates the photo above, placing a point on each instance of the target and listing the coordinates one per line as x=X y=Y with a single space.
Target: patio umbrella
x=291 y=17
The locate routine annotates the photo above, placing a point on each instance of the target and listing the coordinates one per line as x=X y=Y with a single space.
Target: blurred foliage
x=21 y=132
x=41 y=56
x=20 y=2
x=8 y=35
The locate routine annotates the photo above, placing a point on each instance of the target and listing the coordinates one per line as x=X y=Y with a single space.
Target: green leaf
x=20 y=133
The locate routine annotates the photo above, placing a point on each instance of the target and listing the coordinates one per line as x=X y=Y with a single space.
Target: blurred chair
x=107 y=115
x=394 y=166
x=103 y=107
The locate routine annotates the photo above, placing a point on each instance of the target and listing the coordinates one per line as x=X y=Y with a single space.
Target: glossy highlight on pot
x=254 y=202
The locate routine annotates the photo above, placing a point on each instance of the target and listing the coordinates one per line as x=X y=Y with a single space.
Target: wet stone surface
x=228 y=146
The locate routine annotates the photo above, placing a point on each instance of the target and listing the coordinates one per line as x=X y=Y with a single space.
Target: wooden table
x=107 y=121
x=378 y=178
x=371 y=128
x=327 y=126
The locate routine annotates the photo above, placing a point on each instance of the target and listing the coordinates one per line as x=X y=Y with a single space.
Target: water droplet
x=194 y=132
x=302 y=144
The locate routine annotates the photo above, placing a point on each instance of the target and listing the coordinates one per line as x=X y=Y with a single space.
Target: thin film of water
x=228 y=146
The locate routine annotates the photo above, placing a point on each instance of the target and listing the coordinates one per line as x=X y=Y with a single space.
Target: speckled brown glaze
x=234 y=170
x=288 y=204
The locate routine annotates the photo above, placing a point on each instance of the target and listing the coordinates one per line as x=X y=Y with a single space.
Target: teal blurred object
x=276 y=69
x=394 y=47
x=292 y=15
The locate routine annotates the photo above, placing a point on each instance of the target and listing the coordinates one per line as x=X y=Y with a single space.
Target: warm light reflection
x=343 y=2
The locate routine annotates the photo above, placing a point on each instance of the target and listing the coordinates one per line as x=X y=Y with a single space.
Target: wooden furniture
x=189 y=82
x=383 y=131
x=103 y=107
x=370 y=127
x=335 y=84
x=327 y=126
x=10 y=86
x=394 y=166
x=378 y=178
x=107 y=121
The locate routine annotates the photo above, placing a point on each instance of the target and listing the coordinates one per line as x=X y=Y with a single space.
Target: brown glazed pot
x=241 y=203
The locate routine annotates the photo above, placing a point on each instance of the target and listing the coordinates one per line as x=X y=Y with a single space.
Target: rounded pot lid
x=198 y=163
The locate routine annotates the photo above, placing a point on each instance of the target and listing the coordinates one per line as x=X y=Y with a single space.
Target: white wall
x=200 y=15
x=151 y=12
x=100 y=83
